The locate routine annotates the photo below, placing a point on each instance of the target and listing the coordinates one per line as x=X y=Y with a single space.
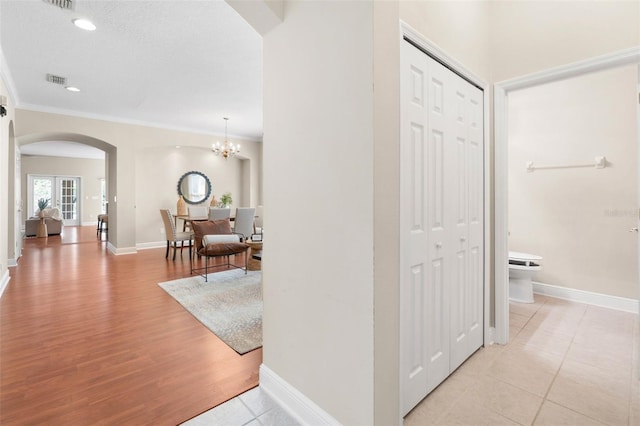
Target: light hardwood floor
x=87 y=337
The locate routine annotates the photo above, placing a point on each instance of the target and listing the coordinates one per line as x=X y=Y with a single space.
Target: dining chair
x=199 y=212
x=243 y=224
x=259 y=220
x=103 y=221
x=216 y=213
x=195 y=213
x=173 y=236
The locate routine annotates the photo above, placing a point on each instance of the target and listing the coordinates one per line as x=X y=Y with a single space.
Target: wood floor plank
x=87 y=337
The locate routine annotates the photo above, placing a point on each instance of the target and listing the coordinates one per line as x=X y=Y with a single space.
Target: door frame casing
x=30 y=207
x=501 y=91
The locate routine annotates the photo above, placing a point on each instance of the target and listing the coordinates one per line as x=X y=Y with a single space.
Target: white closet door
x=441 y=283
x=417 y=269
x=466 y=177
x=475 y=301
x=440 y=223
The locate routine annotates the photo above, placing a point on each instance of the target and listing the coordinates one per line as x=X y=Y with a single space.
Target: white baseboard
x=291 y=399
x=598 y=299
x=12 y=263
x=120 y=251
x=90 y=223
x=4 y=282
x=152 y=245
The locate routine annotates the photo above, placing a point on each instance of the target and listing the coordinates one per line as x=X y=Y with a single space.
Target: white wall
x=89 y=170
x=318 y=190
x=577 y=219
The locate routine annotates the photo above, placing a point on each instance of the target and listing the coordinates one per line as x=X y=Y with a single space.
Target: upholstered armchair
x=215 y=239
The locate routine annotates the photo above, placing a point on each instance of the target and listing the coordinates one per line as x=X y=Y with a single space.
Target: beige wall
x=90 y=172
x=10 y=243
x=6 y=123
x=577 y=219
x=529 y=36
x=158 y=170
x=319 y=290
x=318 y=190
x=460 y=28
x=386 y=60
x=131 y=176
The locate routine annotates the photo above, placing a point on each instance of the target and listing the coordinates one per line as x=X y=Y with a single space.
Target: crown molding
x=79 y=114
x=629 y=56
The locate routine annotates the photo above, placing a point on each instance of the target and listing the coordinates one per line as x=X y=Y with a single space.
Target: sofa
x=52 y=218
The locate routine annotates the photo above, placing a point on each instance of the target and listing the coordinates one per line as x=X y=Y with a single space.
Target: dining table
x=186 y=220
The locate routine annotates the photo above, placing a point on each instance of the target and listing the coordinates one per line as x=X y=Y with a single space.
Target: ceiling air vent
x=63 y=4
x=56 y=79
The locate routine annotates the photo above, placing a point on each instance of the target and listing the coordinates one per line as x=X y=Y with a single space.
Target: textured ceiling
x=176 y=64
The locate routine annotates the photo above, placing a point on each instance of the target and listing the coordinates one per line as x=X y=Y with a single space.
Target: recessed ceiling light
x=178 y=147
x=85 y=24
x=72 y=89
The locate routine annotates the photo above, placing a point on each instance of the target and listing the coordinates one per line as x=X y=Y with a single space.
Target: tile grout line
x=453 y=403
x=256 y=416
x=508 y=347
x=556 y=376
x=250 y=410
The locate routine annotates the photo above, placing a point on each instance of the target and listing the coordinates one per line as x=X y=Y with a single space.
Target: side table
x=42 y=229
x=254 y=247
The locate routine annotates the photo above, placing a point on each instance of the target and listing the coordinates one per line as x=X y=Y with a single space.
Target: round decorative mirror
x=194 y=187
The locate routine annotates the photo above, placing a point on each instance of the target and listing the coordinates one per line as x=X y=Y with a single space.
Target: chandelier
x=227 y=149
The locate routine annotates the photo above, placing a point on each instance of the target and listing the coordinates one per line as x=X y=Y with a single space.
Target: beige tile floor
x=567 y=363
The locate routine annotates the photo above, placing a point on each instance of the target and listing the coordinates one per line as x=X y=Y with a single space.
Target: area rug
x=229 y=304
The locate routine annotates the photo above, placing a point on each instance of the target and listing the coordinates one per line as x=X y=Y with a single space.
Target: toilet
x=522 y=267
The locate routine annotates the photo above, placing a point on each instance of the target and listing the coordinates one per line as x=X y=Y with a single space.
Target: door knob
x=438 y=245
x=633 y=229
x=463 y=239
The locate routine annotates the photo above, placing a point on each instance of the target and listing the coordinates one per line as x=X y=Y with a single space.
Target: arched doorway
x=110 y=165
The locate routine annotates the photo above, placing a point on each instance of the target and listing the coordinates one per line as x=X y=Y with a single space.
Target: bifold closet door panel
x=474 y=304
x=424 y=315
x=466 y=190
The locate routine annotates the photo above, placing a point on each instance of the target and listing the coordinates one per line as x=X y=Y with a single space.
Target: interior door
x=67 y=191
x=40 y=187
x=441 y=221
x=62 y=192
